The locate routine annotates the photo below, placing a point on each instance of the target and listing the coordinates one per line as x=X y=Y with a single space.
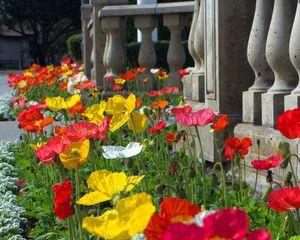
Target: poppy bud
x=284 y=164
x=130 y=163
x=288 y=180
x=160 y=188
x=283 y=148
x=215 y=180
x=174 y=167
x=269 y=177
x=192 y=172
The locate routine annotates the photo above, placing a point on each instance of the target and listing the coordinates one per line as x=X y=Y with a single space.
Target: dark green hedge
x=74 y=46
x=161 y=48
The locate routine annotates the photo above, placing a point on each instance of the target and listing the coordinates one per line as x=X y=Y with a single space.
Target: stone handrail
x=111 y=23
x=113 y=19
x=274 y=55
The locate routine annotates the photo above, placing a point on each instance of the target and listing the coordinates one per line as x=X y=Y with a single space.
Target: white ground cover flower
x=6 y=107
x=11 y=214
x=113 y=152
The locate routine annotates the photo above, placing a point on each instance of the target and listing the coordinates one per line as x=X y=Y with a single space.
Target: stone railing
x=274 y=55
x=108 y=28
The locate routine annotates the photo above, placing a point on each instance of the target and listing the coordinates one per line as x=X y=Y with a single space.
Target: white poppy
x=154 y=70
x=75 y=80
x=113 y=152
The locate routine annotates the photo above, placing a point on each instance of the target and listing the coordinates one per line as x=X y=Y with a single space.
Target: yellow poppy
x=37 y=146
x=120 y=108
x=129 y=218
x=137 y=122
x=106 y=185
x=58 y=103
x=120 y=80
x=75 y=155
x=95 y=112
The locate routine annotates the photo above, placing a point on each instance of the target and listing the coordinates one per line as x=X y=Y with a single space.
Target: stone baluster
x=114 y=57
x=293 y=100
x=277 y=52
x=187 y=80
x=257 y=58
x=198 y=76
x=99 y=39
x=147 y=55
x=176 y=53
x=86 y=11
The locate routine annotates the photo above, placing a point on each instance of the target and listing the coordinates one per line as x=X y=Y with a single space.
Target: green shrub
x=161 y=49
x=74 y=46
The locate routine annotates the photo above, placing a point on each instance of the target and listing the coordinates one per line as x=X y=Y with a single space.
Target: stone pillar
x=277 y=52
x=176 y=53
x=198 y=76
x=147 y=55
x=99 y=70
x=87 y=42
x=257 y=58
x=187 y=80
x=114 y=57
x=293 y=100
x=227 y=72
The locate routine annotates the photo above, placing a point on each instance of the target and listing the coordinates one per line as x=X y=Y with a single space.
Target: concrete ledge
x=265 y=140
x=147 y=9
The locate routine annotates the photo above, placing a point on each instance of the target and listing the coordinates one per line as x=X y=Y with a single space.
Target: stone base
x=291 y=101
x=265 y=140
x=173 y=80
x=187 y=86
x=252 y=107
x=272 y=107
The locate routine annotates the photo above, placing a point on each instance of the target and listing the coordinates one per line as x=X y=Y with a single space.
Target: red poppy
x=66 y=61
x=268 y=163
x=128 y=76
x=259 y=235
x=62 y=199
x=170 y=90
x=52 y=148
x=158 y=127
x=86 y=84
x=138 y=102
x=199 y=118
x=285 y=199
x=32 y=120
x=155 y=93
x=235 y=146
x=288 y=123
x=183 y=72
x=109 y=79
x=117 y=87
x=159 y=104
x=78 y=108
x=221 y=123
x=81 y=131
x=171 y=137
x=180 y=231
x=63 y=85
x=186 y=109
x=172 y=210
x=139 y=70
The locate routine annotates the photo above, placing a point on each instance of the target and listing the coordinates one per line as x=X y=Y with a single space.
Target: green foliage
x=74 y=46
x=161 y=49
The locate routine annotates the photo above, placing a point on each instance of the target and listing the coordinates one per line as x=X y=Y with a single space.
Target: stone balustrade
x=274 y=55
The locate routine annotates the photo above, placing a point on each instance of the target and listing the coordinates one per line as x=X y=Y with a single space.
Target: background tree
x=44 y=23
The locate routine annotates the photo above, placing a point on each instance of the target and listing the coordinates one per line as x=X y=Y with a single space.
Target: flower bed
x=106 y=167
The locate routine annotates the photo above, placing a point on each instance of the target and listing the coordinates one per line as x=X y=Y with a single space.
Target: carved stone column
x=87 y=42
x=257 y=58
x=187 y=80
x=198 y=76
x=114 y=56
x=147 y=55
x=99 y=40
x=278 y=58
x=176 y=53
x=293 y=100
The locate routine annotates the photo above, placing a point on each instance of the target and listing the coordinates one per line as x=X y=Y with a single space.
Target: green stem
x=223 y=178
x=255 y=184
